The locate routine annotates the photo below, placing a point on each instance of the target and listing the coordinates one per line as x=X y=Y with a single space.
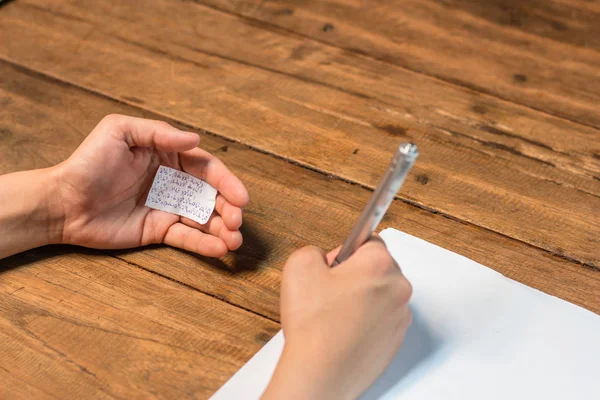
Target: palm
x=107 y=182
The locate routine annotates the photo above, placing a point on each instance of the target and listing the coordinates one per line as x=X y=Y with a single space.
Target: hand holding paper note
x=102 y=190
x=475 y=335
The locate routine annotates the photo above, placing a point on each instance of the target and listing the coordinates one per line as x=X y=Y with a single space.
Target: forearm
x=30 y=211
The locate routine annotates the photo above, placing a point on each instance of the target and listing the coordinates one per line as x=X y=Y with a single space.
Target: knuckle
x=385 y=258
x=293 y=260
x=111 y=119
x=302 y=256
x=310 y=251
x=381 y=261
x=404 y=290
x=162 y=125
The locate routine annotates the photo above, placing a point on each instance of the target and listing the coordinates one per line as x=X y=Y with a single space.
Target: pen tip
x=409 y=148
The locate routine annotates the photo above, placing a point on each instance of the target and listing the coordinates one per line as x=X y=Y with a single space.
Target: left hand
x=104 y=184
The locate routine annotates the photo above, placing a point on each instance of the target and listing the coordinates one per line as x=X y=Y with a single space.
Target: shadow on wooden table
x=41 y=254
x=4 y=2
x=253 y=253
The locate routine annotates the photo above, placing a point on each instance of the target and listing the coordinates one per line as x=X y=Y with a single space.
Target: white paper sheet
x=179 y=193
x=475 y=335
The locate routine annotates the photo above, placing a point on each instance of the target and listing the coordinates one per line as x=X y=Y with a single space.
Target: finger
x=374 y=244
x=216 y=227
x=150 y=133
x=373 y=256
x=333 y=254
x=232 y=215
x=394 y=262
x=190 y=239
x=374 y=237
x=205 y=166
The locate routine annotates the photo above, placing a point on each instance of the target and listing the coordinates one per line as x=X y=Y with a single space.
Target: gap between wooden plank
x=452 y=82
x=192 y=287
x=61 y=81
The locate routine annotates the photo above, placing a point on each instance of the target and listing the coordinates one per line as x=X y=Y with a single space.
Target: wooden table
x=306 y=102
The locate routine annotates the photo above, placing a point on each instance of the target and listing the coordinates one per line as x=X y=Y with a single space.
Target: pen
x=380 y=201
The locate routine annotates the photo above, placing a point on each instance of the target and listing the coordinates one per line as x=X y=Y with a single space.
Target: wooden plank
x=290 y=206
x=543 y=54
x=457 y=175
x=84 y=325
x=500 y=128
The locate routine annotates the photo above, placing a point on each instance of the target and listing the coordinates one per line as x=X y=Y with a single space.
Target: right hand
x=342 y=325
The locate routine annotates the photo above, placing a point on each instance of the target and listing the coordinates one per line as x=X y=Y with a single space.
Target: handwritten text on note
x=182 y=194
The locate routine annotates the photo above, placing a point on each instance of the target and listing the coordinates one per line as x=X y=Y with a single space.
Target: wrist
x=52 y=206
x=301 y=375
x=31 y=213
x=41 y=210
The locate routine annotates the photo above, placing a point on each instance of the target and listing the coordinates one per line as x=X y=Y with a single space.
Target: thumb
x=150 y=133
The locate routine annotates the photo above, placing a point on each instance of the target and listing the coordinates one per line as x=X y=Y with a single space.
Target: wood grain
x=477 y=177
x=542 y=53
x=501 y=128
x=84 y=325
x=291 y=206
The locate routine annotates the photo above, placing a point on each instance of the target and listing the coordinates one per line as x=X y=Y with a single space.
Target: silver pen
x=380 y=201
